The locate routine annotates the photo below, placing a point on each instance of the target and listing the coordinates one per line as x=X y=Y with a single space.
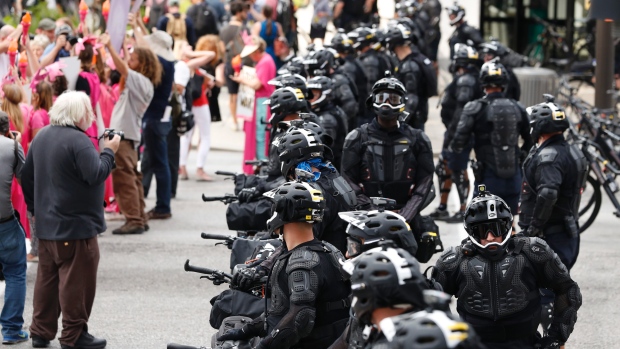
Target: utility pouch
x=478 y=168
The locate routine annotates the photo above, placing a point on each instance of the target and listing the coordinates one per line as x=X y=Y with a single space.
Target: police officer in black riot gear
x=375 y=64
x=411 y=71
x=303 y=156
x=323 y=63
x=496 y=123
x=452 y=167
x=385 y=282
x=432 y=11
x=387 y=158
x=554 y=175
x=496 y=278
x=308 y=293
x=295 y=66
x=463 y=32
x=352 y=67
x=331 y=117
x=492 y=49
x=367 y=230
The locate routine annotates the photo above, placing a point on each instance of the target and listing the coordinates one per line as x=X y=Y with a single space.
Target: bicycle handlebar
x=226 y=173
x=216 y=236
x=200 y=270
x=226 y=199
x=181 y=346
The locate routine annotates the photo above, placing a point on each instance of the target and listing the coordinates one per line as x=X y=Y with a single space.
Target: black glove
x=533 y=231
x=248 y=194
x=245 y=278
x=548 y=343
x=256 y=328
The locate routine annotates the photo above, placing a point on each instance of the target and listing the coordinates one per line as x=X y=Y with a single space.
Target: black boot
x=38 y=341
x=87 y=341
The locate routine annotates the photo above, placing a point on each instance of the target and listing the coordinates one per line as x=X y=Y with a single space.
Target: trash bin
x=535 y=82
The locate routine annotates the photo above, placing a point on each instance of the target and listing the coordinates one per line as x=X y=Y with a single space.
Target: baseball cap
x=254 y=44
x=64 y=29
x=46 y=24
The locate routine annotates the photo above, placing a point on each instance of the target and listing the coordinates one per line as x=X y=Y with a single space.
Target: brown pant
x=127 y=182
x=66 y=282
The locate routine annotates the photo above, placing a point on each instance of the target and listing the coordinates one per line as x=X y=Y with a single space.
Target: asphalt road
x=145 y=299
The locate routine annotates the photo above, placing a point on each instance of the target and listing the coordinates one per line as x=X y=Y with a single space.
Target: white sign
x=71 y=70
x=245 y=96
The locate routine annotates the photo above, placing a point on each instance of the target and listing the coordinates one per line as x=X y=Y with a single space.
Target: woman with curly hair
x=139 y=75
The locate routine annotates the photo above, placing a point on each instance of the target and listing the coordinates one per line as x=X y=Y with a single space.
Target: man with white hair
x=63 y=182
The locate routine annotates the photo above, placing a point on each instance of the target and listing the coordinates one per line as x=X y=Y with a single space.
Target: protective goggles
x=389 y=98
x=482 y=230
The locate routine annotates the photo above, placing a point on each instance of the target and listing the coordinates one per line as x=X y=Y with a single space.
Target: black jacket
x=67 y=196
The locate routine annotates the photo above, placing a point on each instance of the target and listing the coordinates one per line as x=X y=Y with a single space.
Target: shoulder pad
x=353 y=135
x=449 y=259
x=302 y=258
x=536 y=249
x=547 y=155
x=409 y=66
x=473 y=107
x=466 y=80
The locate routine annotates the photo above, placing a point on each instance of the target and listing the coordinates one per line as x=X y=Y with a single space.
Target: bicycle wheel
x=590 y=205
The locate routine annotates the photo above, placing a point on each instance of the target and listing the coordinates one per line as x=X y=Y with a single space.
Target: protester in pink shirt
x=88 y=82
x=42 y=100
x=255 y=134
x=19 y=121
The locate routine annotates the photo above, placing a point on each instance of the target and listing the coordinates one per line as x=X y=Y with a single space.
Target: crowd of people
x=336 y=128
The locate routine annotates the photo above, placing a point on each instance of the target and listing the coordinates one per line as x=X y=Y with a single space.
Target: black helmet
x=414 y=28
x=456 y=10
x=362 y=37
x=488 y=213
x=342 y=43
x=320 y=62
x=323 y=84
x=429 y=329
x=547 y=117
x=385 y=277
x=294 y=66
x=493 y=74
x=300 y=143
x=465 y=56
x=295 y=202
x=284 y=101
x=406 y=8
x=397 y=35
x=291 y=80
x=388 y=98
x=367 y=229
x=494 y=48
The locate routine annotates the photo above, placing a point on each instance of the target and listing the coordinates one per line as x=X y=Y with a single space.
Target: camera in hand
x=111 y=133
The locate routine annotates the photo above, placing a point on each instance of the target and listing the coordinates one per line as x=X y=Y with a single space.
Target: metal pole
x=604 y=64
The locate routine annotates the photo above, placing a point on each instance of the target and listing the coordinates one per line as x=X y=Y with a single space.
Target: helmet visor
x=388 y=97
x=354 y=246
x=482 y=230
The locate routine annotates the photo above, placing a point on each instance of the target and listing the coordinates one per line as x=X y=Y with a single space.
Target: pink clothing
x=95 y=93
x=17 y=196
x=107 y=100
x=40 y=118
x=265 y=71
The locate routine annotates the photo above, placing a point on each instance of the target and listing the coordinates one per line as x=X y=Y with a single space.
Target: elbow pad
x=545 y=201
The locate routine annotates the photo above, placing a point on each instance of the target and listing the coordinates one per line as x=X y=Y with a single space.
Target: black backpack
x=428 y=74
x=204 y=19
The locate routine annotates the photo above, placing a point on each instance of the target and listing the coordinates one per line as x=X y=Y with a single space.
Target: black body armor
x=554 y=174
x=500 y=298
x=496 y=123
x=410 y=74
x=345 y=96
x=308 y=297
x=353 y=68
x=397 y=164
x=463 y=89
x=334 y=122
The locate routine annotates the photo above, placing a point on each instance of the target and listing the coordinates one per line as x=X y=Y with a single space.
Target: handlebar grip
x=180 y=346
x=199 y=270
x=215 y=236
x=225 y=173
